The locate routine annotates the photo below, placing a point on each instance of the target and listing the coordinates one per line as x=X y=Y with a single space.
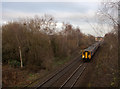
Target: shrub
x=14 y=63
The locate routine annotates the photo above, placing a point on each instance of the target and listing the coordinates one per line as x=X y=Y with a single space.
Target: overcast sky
x=75 y=13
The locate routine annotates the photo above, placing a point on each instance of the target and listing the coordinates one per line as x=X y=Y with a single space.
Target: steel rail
x=60 y=76
x=70 y=76
x=55 y=74
x=77 y=78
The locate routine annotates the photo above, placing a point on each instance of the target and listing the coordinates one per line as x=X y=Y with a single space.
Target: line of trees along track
x=37 y=42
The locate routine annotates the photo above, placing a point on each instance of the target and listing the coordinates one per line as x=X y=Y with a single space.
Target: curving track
x=66 y=77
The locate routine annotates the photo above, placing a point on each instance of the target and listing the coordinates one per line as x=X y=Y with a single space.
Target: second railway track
x=66 y=77
x=48 y=82
x=71 y=80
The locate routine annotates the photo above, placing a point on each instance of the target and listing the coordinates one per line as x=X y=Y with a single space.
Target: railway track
x=71 y=80
x=66 y=77
x=50 y=81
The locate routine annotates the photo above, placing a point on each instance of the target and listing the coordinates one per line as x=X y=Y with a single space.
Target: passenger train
x=90 y=51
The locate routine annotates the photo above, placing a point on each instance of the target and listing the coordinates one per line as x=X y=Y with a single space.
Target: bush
x=14 y=63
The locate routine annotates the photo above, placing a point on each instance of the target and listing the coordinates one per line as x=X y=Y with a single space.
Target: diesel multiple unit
x=90 y=51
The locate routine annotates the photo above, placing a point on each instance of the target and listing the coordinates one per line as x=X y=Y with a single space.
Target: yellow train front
x=90 y=51
x=86 y=55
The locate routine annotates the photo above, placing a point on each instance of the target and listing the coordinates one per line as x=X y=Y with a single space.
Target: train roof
x=90 y=48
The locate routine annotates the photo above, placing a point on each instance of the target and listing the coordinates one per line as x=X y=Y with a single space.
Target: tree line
x=36 y=42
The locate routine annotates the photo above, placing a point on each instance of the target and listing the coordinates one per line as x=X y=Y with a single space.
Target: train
x=90 y=51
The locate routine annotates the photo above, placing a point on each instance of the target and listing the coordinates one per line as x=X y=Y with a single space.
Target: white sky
x=51 y=0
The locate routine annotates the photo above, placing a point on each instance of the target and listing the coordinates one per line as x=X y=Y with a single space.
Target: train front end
x=86 y=55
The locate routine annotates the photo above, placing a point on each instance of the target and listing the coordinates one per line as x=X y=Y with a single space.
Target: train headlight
x=83 y=56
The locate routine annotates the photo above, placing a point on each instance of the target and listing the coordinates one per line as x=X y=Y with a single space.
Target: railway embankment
x=103 y=69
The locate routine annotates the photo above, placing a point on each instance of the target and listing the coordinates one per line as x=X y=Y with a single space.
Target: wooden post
x=20 y=57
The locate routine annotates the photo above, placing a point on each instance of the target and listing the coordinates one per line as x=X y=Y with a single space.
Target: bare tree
x=106 y=18
x=108 y=14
